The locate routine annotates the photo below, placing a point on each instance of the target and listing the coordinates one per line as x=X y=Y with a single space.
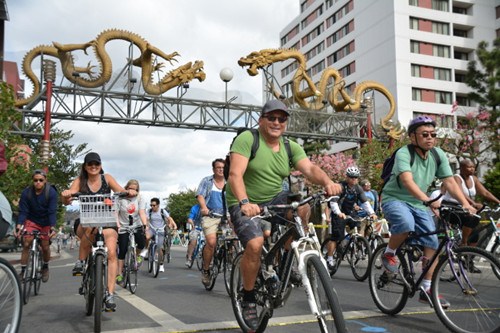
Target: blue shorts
x=403 y=217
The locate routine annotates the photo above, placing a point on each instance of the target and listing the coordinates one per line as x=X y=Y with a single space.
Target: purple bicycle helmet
x=419 y=121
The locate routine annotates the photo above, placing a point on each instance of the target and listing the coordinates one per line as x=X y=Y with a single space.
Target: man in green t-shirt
x=404 y=195
x=259 y=181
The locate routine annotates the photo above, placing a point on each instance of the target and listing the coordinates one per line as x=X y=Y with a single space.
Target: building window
x=463 y=100
x=460 y=10
x=416 y=94
x=440 y=28
x=347 y=70
x=460 y=33
x=414 y=46
x=414 y=3
x=441 y=51
x=318 y=68
x=441 y=5
x=461 y=55
x=443 y=97
x=316 y=50
x=460 y=77
x=414 y=23
x=442 y=74
x=415 y=70
x=339 y=14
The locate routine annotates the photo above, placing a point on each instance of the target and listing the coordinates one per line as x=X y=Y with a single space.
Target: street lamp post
x=226 y=75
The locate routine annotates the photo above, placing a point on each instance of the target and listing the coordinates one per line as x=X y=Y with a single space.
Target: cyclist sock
x=426 y=284
x=249 y=296
x=389 y=250
x=23 y=268
x=45 y=265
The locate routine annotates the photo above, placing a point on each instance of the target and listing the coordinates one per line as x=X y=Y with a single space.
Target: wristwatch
x=244 y=202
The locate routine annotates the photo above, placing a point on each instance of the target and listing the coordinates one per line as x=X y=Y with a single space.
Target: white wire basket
x=97 y=210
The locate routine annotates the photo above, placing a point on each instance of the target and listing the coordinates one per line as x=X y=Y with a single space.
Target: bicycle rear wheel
x=156 y=260
x=359 y=258
x=132 y=271
x=264 y=310
x=28 y=277
x=388 y=291
x=38 y=275
x=474 y=297
x=99 y=291
x=151 y=256
x=330 y=317
x=10 y=298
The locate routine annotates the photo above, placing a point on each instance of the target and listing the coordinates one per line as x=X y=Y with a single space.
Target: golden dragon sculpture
x=146 y=61
x=312 y=97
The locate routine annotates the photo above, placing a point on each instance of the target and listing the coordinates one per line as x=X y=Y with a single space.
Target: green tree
x=492 y=180
x=179 y=205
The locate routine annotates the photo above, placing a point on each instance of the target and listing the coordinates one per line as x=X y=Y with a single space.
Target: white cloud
x=219 y=32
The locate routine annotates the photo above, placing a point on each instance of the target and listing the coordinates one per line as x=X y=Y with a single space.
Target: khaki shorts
x=210 y=225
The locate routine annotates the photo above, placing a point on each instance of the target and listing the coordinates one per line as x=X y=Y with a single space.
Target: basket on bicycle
x=97 y=210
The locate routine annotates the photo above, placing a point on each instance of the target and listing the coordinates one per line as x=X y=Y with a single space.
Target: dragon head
x=259 y=59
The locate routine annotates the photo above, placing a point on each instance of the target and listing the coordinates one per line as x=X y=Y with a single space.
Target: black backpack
x=255 y=147
x=389 y=163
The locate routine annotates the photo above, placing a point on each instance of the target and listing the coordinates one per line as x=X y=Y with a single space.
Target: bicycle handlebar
x=76 y=195
x=456 y=209
x=267 y=210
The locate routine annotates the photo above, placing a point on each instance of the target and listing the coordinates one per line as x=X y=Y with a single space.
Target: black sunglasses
x=38 y=180
x=426 y=134
x=280 y=119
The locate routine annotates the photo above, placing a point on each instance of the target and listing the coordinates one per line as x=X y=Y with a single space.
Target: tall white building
x=418 y=49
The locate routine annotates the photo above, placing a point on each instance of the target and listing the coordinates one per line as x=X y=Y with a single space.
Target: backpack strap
x=255 y=144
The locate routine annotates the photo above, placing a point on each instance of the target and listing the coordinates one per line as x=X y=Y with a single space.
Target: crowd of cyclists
x=256 y=181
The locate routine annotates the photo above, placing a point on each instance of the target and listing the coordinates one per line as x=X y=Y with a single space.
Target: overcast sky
x=164 y=160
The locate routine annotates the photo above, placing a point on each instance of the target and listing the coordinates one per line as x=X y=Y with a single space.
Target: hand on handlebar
x=250 y=209
x=18 y=231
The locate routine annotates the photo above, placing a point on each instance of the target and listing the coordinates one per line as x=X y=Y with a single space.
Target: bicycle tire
x=151 y=251
x=231 y=253
x=495 y=251
x=89 y=285
x=375 y=241
x=263 y=311
x=167 y=247
x=332 y=269
x=99 y=292
x=132 y=271
x=388 y=292
x=38 y=274
x=28 y=277
x=156 y=261
x=477 y=308
x=359 y=258
x=214 y=269
x=10 y=298
x=330 y=317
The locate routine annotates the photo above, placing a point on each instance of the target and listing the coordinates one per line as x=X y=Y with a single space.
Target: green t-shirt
x=265 y=172
x=423 y=171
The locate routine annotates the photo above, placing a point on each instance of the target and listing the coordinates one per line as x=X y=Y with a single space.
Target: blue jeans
x=403 y=217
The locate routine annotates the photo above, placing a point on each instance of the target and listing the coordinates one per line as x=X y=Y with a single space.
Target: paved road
x=177 y=302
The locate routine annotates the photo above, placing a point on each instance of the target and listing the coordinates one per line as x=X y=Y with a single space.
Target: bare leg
x=250 y=262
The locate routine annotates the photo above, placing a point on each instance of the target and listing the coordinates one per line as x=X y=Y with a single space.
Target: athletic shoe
x=79 y=268
x=425 y=299
x=205 y=277
x=162 y=268
x=390 y=262
x=45 y=274
x=120 y=281
x=144 y=253
x=188 y=263
x=249 y=311
x=109 y=302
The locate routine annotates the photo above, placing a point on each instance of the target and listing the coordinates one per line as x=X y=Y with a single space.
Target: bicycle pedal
x=77 y=274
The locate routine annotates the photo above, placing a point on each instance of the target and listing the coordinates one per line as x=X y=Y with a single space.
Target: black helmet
x=419 y=121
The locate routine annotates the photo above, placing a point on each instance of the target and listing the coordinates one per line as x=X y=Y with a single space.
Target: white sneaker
x=144 y=253
x=162 y=268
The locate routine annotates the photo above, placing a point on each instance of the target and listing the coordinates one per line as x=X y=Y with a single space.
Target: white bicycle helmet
x=352 y=172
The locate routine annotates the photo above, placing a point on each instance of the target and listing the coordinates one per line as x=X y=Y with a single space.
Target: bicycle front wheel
x=99 y=291
x=88 y=285
x=167 y=246
x=132 y=271
x=28 y=277
x=496 y=253
x=38 y=275
x=156 y=260
x=359 y=257
x=474 y=297
x=199 y=256
x=10 y=298
x=232 y=251
x=330 y=317
x=388 y=291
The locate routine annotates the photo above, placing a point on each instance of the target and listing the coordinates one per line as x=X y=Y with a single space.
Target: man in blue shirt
x=37 y=211
x=209 y=196
x=194 y=219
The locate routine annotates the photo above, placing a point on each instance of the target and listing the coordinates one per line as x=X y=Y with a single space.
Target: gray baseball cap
x=274 y=105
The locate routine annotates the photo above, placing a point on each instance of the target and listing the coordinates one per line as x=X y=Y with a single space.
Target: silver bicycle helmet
x=352 y=172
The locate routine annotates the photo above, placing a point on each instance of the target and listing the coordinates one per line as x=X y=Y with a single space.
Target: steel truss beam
x=118 y=107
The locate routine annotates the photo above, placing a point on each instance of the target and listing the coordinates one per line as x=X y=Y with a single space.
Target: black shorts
x=338 y=227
